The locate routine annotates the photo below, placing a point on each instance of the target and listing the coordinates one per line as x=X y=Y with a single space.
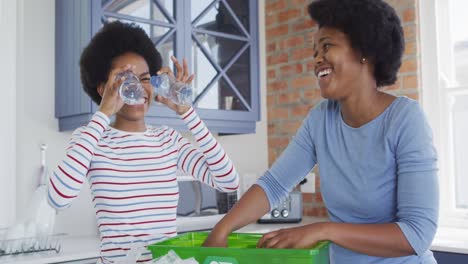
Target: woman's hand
x=218 y=236
x=111 y=102
x=215 y=239
x=296 y=237
x=182 y=76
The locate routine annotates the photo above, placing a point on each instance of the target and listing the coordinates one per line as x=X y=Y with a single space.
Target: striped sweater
x=132 y=177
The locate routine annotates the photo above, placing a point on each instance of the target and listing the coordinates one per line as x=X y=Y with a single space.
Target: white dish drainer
x=29 y=244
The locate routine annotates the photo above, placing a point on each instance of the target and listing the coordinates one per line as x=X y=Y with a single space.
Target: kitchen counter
x=265 y=228
x=81 y=248
x=204 y=223
x=73 y=248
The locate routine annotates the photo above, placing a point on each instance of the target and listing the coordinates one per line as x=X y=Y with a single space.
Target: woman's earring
x=363 y=60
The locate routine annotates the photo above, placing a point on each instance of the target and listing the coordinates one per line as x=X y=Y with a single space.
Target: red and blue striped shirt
x=132 y=177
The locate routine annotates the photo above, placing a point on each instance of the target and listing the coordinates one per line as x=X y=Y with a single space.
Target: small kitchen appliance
x=289 y=210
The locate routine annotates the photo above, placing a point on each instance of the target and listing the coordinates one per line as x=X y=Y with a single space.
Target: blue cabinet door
x=219 y=39
x=72 y=33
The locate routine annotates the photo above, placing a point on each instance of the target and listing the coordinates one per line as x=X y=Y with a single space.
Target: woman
x=375 y=153
x=130 y=165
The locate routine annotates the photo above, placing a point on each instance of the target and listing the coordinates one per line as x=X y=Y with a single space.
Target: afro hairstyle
x=373 y=29
x=113 y=40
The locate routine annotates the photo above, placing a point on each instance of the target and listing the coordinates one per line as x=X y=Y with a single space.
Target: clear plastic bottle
x=131 y=91
x=167 y=86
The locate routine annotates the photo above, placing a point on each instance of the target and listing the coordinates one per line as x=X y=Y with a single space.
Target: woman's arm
x=287 y=171
x=66 y=180
x=253 y=204
x=385 y=240
x=209 y=162
x=417 y=189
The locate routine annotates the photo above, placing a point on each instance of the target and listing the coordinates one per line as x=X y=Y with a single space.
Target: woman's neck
x=129 y=125
x=364 y=105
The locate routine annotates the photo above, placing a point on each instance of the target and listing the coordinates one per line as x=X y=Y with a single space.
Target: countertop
x=265 y=228
x=80 y=248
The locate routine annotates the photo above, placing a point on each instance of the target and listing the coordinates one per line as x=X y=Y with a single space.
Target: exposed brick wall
x=291 y=86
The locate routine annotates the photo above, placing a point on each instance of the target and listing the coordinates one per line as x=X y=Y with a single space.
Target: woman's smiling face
x=337 y=64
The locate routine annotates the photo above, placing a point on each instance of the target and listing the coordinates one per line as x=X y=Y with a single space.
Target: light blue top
x=382 y=172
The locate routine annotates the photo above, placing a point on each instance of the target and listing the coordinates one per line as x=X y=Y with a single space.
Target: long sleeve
x=296 y=161
x=417 y=181
x=67 y=179
x=209 y=163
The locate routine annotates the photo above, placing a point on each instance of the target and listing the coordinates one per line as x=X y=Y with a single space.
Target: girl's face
x=135 y=112
x=337 y=65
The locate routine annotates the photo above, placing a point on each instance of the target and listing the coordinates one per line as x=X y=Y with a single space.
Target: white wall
x=36 y=123
x=7 y=108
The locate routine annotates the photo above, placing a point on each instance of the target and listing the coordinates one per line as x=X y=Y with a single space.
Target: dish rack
x=30 y=244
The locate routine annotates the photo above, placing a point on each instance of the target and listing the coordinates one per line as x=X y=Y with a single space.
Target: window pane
x=203 y=70
x=459 y=37
x=219 y=19
x=166 y=48
x=221 y=96
x=239 y=73
x=221 y=50
x=138 y=8
x=241 y=9
x=459 y=113
x=198 y=6
x=154 y=32
x=168 y=5
x=228 y=100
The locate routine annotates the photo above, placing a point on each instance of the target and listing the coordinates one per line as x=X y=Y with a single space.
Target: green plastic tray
x=241 y=250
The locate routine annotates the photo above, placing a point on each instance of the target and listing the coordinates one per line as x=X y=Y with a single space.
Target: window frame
x=218 y=120
x=438 y=85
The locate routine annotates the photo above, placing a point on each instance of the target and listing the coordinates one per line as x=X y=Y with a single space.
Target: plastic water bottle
x=131 y=91
x=167 y=86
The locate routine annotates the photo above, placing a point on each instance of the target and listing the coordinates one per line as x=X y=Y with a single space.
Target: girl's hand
x=182 y=76
x=296 y=237
x=111 y=102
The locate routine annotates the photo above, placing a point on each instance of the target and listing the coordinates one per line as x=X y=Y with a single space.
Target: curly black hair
x=373 y=28
x=113 y=40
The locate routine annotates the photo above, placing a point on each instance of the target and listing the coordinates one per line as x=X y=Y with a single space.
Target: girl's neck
x=129 y=125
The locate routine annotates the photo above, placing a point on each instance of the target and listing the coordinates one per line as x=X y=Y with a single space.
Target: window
x=213 y=35
x=444 y=43
x=219 y=39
